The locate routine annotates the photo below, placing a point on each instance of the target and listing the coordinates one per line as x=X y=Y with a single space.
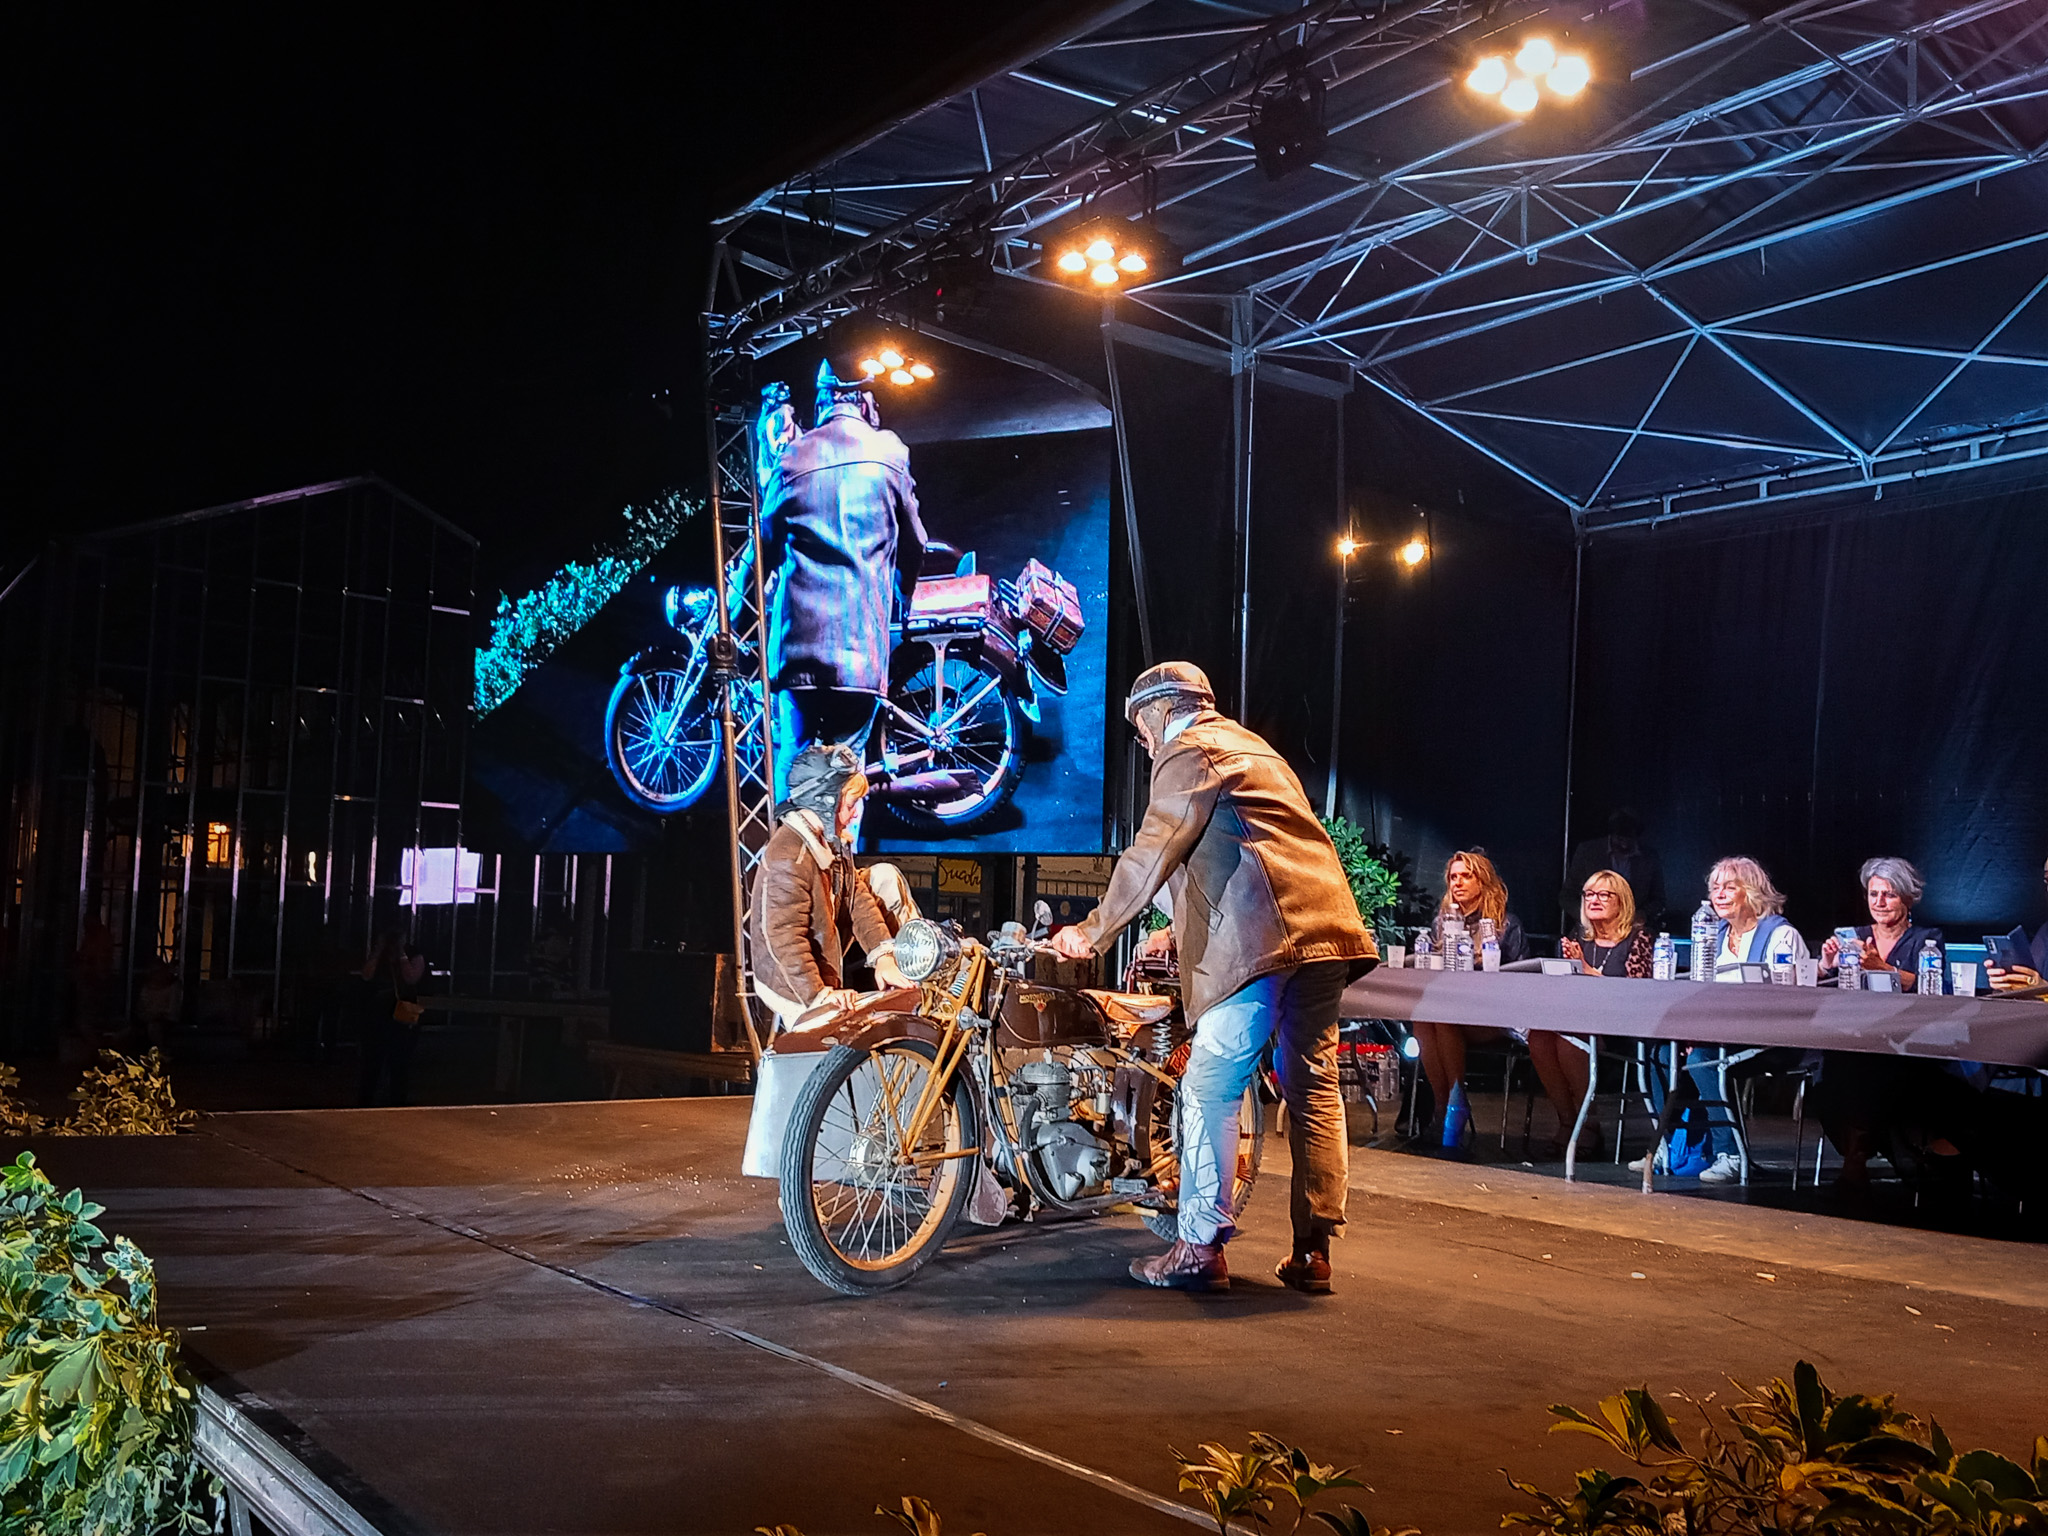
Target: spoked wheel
x=949 y=713
x=662 y=732
x=1251 y=1147
x=864 y=1211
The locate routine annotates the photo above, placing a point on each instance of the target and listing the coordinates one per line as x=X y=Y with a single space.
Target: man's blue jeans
x=1297 y=1010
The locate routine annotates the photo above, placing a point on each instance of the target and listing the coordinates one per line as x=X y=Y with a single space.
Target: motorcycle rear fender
x=781 y=1073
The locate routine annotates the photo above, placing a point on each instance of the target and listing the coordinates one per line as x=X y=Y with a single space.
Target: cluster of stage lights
x=1518 y=83
x=1101 y=262
x=1411 y=554
x=895 y=367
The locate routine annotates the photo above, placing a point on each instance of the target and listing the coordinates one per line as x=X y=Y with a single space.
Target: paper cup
x=1806 y=973
x=1397 y=955
x=1963 y=978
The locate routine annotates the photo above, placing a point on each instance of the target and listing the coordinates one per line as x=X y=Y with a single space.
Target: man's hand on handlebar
x=1157 y=943
x=1072 y=944
x=887 y=976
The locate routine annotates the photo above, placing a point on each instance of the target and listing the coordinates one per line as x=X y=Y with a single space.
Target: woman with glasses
x=1611 y=943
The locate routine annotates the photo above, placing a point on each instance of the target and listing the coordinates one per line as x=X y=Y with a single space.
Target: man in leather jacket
x=809 y=901
x=840 y=521
x=1268 y=936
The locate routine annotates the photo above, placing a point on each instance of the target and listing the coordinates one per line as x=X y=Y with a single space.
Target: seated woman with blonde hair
x=1749 y=929
x=1611 y=943
x=1473 y=890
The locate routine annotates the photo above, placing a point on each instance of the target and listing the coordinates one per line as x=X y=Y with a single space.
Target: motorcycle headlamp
x=924 y=950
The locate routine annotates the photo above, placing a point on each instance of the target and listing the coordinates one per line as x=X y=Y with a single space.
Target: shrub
x=126 y=1097
x=96 y=1412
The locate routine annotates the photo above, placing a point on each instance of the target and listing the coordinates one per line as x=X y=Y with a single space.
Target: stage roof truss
x=1621 y=305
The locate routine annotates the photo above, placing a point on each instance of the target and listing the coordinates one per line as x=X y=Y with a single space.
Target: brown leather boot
x=1185 y=1267
x=1308 y=1271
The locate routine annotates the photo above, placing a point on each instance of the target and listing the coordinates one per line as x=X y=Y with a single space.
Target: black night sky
x=459 y=246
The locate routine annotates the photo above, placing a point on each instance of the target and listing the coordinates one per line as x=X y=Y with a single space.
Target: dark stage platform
x=578 y=1318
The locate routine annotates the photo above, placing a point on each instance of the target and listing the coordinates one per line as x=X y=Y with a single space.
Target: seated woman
x=1749 y=929
x=1890 y=940
x=1867 y=1103
x=1611 y=943
x=2016 y=978
x=1473 y=889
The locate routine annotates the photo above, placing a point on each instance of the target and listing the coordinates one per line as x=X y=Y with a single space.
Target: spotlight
x=1285 y=123
x=1536 y=57
x=1347 y=547
x=1411 y=1047
x=1569 y=75
x=1100 y=251
x=1414 y=552
x=1536 y=63
x=892 y=364
x=1489 y=75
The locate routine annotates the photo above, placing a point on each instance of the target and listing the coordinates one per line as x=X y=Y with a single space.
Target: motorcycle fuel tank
x=1036 y=1016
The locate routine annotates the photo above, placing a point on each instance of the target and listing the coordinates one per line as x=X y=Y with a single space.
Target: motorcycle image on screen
x=968 y=658
x=967 y=662
x=993 y=1088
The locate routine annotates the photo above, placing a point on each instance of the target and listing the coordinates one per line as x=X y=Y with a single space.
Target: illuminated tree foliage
x=530 y=629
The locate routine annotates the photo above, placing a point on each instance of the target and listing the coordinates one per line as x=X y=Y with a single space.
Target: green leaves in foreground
x=96 y=1413
x=1790 y=1458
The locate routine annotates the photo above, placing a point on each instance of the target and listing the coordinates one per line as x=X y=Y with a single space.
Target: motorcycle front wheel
x=861 y=1215
x=1251 y=1148
x=662 y=733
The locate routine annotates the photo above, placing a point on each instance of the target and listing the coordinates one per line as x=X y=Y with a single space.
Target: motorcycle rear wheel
x=859 y=1220
x=1251 y=1149
x=952 y=712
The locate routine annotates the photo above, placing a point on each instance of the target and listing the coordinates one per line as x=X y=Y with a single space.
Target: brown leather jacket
x=803 y=915
x=1255 y=881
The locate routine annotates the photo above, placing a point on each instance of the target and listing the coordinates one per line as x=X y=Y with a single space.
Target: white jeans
x=1299 y=1008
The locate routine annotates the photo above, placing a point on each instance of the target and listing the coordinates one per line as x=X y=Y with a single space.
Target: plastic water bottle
x=1929 y=966
x=1489 y=946
x=1848 y=961
x=1426 y=957
x=1457 y=945
x=1703 y=943
x=1664 y=959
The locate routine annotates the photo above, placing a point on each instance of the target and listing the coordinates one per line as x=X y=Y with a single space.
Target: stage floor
x=578 y=1318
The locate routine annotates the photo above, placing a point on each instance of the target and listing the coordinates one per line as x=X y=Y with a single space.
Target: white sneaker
x=1662 y=1166
x=1726 y=1170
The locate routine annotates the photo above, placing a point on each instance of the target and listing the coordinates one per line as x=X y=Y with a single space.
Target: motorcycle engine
x=1074 y=1160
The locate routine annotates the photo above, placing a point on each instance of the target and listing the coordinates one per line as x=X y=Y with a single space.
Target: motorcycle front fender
x=780 y=1074
x=656 y=658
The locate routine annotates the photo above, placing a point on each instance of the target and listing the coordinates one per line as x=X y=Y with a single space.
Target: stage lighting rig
x=1104 y=254
x=897 y=367
x=1518 y=83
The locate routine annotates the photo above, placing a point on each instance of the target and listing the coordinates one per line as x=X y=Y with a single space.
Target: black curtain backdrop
x=1814 y=689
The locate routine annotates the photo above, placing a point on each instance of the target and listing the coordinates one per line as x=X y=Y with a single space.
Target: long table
x=1997 y=1030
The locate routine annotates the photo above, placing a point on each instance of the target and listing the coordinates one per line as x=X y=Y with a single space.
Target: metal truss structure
x=1778 y=246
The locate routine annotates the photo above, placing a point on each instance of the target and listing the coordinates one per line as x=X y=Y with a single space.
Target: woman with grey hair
x=1890 y=941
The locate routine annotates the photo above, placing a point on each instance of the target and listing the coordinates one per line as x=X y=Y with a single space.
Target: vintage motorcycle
x=969 y=655
x=995 y=1087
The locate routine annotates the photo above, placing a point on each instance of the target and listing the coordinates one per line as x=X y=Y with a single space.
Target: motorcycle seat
x=1131 y=1010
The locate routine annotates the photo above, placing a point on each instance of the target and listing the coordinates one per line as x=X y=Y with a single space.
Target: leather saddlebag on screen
x=963 y=605
x=1050 y=605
